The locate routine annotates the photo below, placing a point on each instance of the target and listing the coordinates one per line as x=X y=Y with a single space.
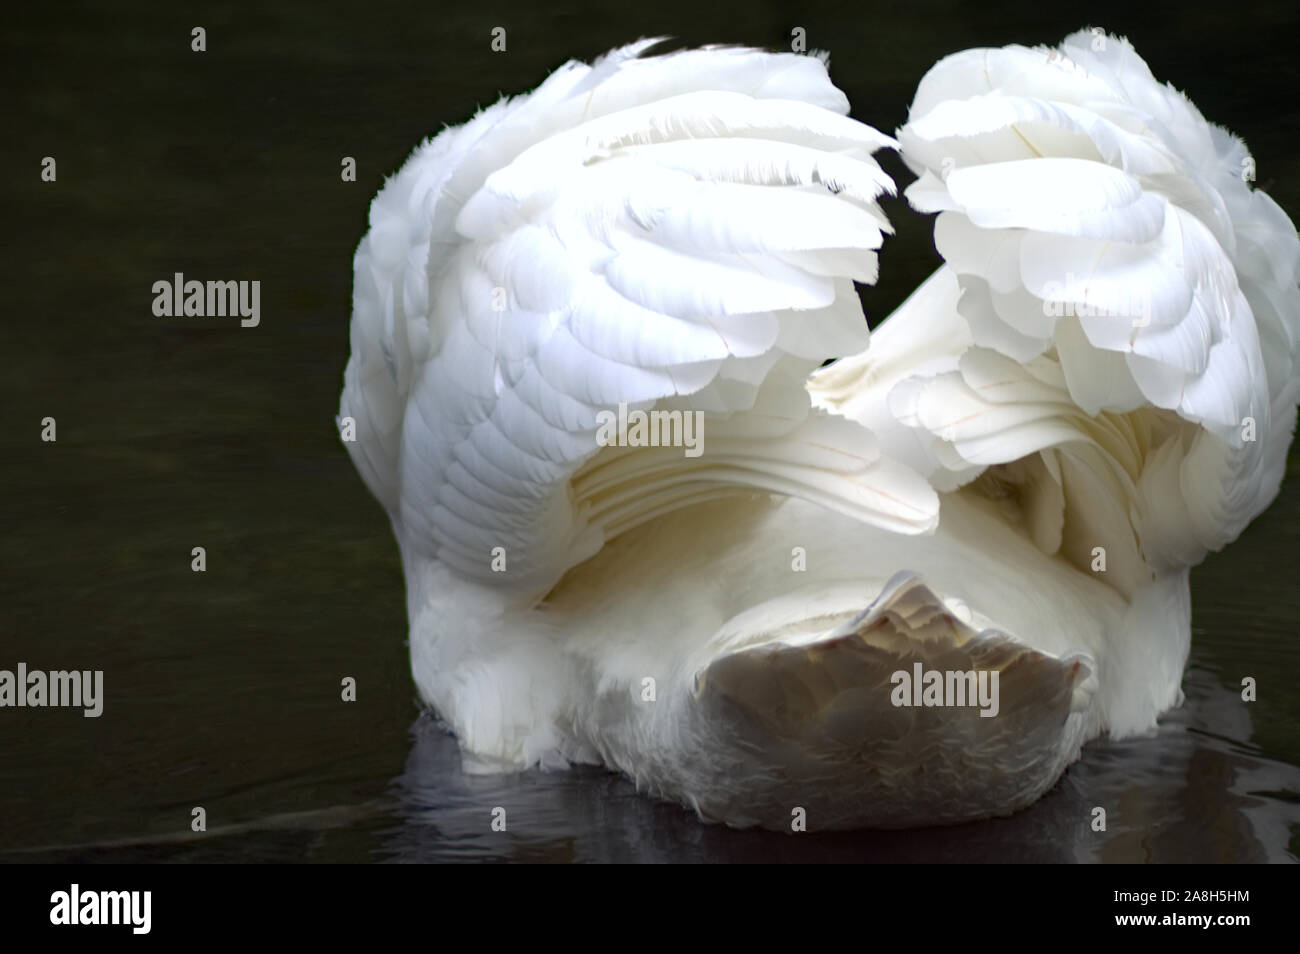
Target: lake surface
x=223 y=687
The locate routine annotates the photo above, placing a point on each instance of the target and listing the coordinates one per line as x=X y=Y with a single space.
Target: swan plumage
x=681 y=233
x=1105 y=238
x=640 y=231
x=1109 y=350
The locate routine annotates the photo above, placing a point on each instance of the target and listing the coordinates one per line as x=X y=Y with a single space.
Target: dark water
x=223 y=687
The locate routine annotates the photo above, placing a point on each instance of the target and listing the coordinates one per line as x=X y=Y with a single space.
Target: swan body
x=1114 y=362
x=680 y=234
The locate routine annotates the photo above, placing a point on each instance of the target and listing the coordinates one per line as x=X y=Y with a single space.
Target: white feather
x=680 y=235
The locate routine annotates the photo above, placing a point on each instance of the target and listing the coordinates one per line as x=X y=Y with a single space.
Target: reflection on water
x=1197 y=791
x=222 y=688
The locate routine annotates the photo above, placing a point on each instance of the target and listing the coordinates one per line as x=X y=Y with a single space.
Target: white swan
x=681 y=233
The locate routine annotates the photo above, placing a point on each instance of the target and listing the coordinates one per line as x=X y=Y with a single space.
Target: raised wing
x=1130 y=304
x=677 y=233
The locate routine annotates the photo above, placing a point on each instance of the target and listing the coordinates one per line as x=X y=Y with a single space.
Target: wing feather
x=672 y=235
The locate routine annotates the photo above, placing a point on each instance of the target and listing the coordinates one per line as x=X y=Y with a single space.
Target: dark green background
x=223 y=688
